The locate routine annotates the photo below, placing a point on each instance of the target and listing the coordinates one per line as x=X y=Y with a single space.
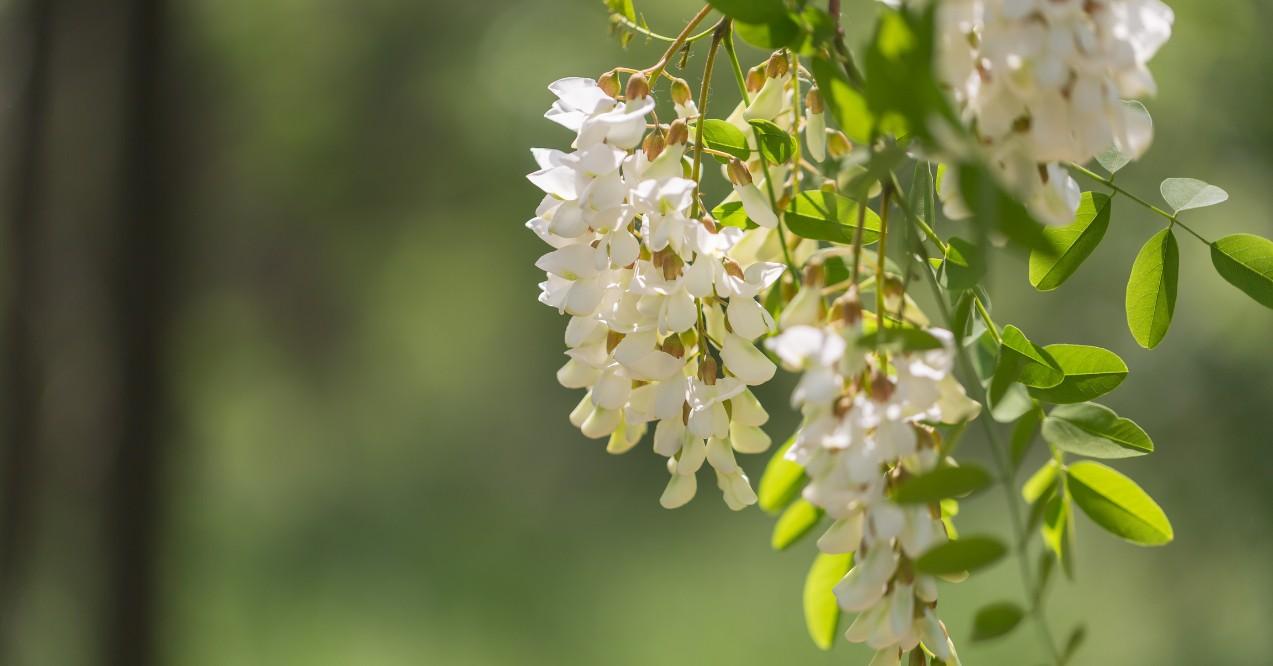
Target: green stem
x=736 y=66
x=879 y=260
x=1109 y=182
x=773 y=201
x=721 y=29
x=841 y=49
x=657 y=70
x=642 y=30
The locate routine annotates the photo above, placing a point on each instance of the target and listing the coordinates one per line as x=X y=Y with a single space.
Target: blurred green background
x=368 y=459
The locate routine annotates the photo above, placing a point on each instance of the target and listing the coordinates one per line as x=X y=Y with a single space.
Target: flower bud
x=813 y=274
x=678 y=133
x=755 y=79
x=732 y=268
x=707 y=370
x=738 y=173
x=838 y=144
x=653 y=145
x=881 y=387
x=609 y=83
x=813 y=101
x=777 y=66
x=843 y=405
x=672 y=265
x=638 y=87
x=893 y=291
x=709 y=224
x=681 y=92
x=848 y=308
x=673 y=346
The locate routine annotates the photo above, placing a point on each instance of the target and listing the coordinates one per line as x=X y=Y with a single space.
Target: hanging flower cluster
x=654 y=296
x=1043 y=82
x=866 y=426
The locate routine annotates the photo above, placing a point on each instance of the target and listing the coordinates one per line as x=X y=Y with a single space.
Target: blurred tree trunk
x=87 y=315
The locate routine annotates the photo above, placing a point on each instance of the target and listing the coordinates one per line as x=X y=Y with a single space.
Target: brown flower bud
x=681 y=91
x=917 y=658
x=813 y=274
x=813 y=101
x=672 y=345
x=732 y=268
x=707 y=370
x=881 y=387
x=653 y=145
x=709 y=224
x=755 y=79
x=609 y=83
x=848 y=308
x=638 y=87
x=738 y=173
x=838 y=144
x=678 y=133
x=777 y=66
x=672 y=266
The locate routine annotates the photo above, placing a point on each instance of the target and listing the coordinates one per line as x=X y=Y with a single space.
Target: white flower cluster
x=864 y=428
x=1043 y=82
x=648 y=287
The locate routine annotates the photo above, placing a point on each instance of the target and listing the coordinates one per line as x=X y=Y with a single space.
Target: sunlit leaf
x=774 y=34
x=942 y=483
x=830 y=217
x=725 y=137
x=781 y=481
x=1090 y=372
x=966 y=554
x=821 y=612
x=1070 y=244
x=775 y=144
x=1246 y=262
x=1038 y=368
x=731 y=214
x=1151 y=289
x=1093 y=430
x=751 y=11
x=1186 y=193
x=794 y=523
x=847 y=105
x=1116 y=503
x=1041 y=482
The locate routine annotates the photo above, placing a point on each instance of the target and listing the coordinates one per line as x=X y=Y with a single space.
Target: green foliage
x=1041 y=482
x=775 y=34
x=1090 y=372
x=1058 y=525
x=1035 y=366
x=1024 y=433
x=901 y=87
x=995 y=620
x=723 y=136
x=1117 y=504
x=751 y=11
x=1093 y=430
x=1070 y=245
x=900 y=340
x=963 y=265
x=799 y=518
x=731 y=214
x=942 y=483
x=1246 y=262
x=994 y=209
x=821 y=612
x=966 y=554
x=1151 y=289
x=1186 y=193
x=781 y=482
x=830 y=217
x=848 y=106
x=1073 y=643
x=775 y=143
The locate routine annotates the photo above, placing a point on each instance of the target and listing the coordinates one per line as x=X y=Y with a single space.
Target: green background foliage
x=373 y=462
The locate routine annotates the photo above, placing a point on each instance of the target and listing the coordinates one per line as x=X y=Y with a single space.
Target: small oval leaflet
x=1093 y=430
x=781 y=481
x=795 y=522
x=1151 y=289
x=942 y=483
x=1071 y=244
x=1090 y=372
x=966 y=554
x=1246 y=262
x=995 y=620
x=1187 y=193
x=821 y=611
x=1117 y=504
x=722 y=136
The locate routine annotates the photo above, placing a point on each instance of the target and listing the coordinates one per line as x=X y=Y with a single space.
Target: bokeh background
x=279 y=390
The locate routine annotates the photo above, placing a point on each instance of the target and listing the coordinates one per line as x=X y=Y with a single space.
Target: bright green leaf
x=1038 y=368
x=795 y=522
x=942 y=483
x=966 y=554
x=821 y=612
x=1058 y=530
x=1116 y=503
x=1090 y=372
x=775 y=34
x=751 y=11
x=901 y=339
x=1151 y=289
x=1041 y=482
x=731 y=214
x=995 y=620
x=830 y=217
x=1071 y=244
x=781 y=481
x=1093 y=430
x=725 y=137
x=1246 y=262
x=847 y=105
x=775 y=144
x=1186 y=193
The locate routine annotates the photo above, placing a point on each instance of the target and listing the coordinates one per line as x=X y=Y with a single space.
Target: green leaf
x=966 y=554
x=1073 y=643
x=1186 y=193
x=751 y=11
x=1037 y=367
x=775 y=34
x=942 y=483
x=995 y=620
x=847 y=105
x=722 y=136
x=995 y=209
x=1151 y=289
x=1246 y=262
x=1023 y=435
x=775 y=144
x=963 y=266
x=1071 y=244
x=821 y=612
x=1090 y=372
x=901 y=339
x=1116 y=503
x=1089 y=429
x=1112 y=159
x=795 y=522
x=1058 y=530
x=830 y=217
x=731 y=214
x=781 y=481
x=901 y=87
x=1041 y=482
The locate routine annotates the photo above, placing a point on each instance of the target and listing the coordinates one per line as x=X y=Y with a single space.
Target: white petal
x=757 y=206
x=721 y=456
x=748 y=318
x=748 y=439
x=844 y=535
x=746 y=409
x=600 y=423
x=745 y=361
x=680 y=490
x=669 y=437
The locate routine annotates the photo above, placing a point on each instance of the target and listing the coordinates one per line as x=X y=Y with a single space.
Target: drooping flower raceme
x=867 y=425
x=651 y=290
x=1042 y=82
